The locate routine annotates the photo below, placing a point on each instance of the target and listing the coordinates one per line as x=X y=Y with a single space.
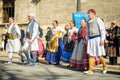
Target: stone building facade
x=48 y=10
x=61 y=10
x=106 y=9
x=45 y=10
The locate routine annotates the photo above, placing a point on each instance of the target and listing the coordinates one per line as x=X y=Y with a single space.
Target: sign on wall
x=78 y=16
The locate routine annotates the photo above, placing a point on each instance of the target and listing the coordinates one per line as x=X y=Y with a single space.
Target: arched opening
x=8 y=9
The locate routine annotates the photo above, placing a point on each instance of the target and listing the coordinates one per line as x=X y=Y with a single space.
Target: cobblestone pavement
x=44 y=71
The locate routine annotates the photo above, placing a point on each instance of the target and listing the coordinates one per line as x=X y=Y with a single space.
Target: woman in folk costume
x=31 y=39
x=55 y=45
x=113 y=30
x=68 y=49
x=13 y=39
x=79 y=57
x=65 y=37
x=96 y=37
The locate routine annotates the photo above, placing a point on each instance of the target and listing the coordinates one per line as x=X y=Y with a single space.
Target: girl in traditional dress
x=68 y=49
x=55 y=45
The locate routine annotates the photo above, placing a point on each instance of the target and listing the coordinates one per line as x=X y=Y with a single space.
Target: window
x=8 y=9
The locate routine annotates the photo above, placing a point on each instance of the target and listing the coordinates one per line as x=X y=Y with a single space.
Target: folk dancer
x=31 y=39
x=79 y=57
x=96 y=37
x=13 y=39
x=68 y=49
x=55 y=45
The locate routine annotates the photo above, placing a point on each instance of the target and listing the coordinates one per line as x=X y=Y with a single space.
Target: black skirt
x=69 y=46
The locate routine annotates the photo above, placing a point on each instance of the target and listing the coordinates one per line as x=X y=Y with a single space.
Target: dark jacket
x=22 y=36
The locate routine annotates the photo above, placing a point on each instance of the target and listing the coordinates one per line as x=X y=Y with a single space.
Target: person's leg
x=110 y=60
x=114 y=60
x=104 y=65
x=5 y=44
x=21 y=56
x=27 y=56
x=91 y=60
x=34 y=58
x=10 y=57
x=115 y=54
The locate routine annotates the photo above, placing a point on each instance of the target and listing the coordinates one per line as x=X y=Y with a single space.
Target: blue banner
x=78 y=16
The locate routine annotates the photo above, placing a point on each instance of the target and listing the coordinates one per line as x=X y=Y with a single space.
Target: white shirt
x=58 y=29
x=16 y=28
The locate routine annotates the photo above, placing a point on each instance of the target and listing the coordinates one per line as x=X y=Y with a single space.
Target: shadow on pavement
x=6 y=75
x=113 y=72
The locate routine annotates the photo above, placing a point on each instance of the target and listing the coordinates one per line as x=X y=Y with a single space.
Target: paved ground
x=43 y=71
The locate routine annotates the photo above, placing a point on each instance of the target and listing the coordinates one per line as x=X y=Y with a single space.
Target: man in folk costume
x=31 y=42
x=13 y=39
x=96 y=37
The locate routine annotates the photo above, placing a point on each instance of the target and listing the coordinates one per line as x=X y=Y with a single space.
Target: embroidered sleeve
x=82 y=33
x=62 y=30
x=102 y=28
x=17 y=29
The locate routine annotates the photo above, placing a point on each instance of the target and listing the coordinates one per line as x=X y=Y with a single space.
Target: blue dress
x=67 y=53
x=55 y=57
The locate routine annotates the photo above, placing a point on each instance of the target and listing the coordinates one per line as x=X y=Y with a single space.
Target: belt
x=10 y=36
x=91 y=37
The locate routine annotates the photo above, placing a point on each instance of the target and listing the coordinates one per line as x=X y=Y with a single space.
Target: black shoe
x=27 y=63
x=68 y=65
x=37 y=60
x=49 y=63
x=22 y=59
x=57 y=63
x=72 y=67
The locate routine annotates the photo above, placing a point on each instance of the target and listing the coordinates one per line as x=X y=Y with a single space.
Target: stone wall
x=1 y=11
x=46 y=10
x=61 y=10
x=106 y=9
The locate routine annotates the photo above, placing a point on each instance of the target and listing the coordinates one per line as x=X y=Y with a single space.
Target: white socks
x=10 y=56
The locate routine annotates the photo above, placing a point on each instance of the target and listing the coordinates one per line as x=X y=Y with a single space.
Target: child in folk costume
x=55 y=45
x=68 y=49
